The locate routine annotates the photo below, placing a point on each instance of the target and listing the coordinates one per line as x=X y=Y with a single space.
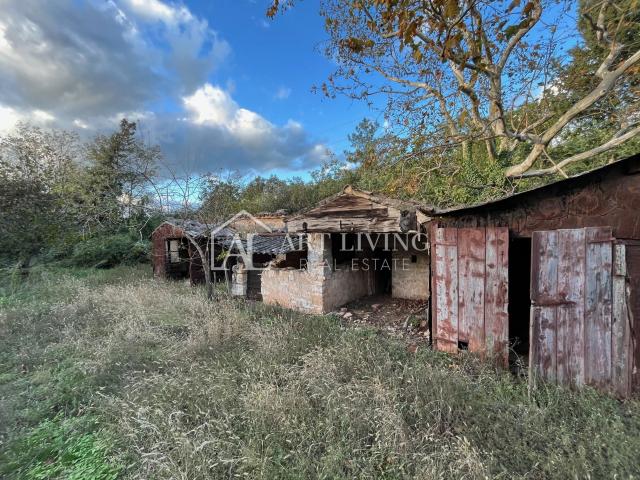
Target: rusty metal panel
x=570 y=310
x=544 y=298
x=621 y=338
x=471 y=275
x=598 y=306
x=496 y=315
x=605 y=197
x=445 y=285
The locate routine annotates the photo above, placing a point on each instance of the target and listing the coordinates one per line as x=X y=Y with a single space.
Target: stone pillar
x=319 y=258
x=239 y=278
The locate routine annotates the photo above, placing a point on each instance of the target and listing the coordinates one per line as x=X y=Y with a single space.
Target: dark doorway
x=254 y=285
x=382 y=264
x=519 y=294
x=177 y=258
x=355 y=251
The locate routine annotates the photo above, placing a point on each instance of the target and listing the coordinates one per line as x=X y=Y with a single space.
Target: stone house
x=357 y=244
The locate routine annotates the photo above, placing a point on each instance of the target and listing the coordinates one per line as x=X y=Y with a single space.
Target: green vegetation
x=108 y=373
x=63 y=199
x=111 y=250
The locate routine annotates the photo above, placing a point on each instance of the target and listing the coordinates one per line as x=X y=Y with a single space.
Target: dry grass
x=150 y=380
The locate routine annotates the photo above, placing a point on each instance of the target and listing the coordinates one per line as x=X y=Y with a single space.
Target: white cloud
x=155 y=10
x=282 y=93
x=85 y=65
x=84 y=58
x=210 y=105
x=42 y=116
x=258 y=143
x=8 y=119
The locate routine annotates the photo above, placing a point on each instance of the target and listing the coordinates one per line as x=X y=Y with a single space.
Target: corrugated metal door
x=579 y=334
x=470 y=269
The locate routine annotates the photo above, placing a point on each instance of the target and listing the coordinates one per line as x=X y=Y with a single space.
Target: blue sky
x=215 y=82
x=277 y=62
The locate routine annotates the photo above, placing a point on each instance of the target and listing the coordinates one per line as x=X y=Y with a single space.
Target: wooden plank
x=632 y=254
x=433 y=227
x=534 y=371
x=570 y=315
x=598 y=308
x=471 y=276
x=445 y=281
x=346 y=224
x=496 y=303
x=621 y=342
x=353 y=212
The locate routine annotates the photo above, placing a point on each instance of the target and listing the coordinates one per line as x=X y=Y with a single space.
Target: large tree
x=118 y=178
x=39 y=170
x=462 y=71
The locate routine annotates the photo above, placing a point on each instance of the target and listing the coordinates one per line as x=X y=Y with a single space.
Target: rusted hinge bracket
x=553 y=303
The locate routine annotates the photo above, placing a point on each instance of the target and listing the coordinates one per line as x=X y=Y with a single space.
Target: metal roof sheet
x=273 y=244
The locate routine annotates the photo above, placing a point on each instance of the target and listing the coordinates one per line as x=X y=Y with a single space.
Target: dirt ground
x=393 y=316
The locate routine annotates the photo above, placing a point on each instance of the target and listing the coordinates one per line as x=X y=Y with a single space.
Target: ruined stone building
x=550 y=275
x=357 y=244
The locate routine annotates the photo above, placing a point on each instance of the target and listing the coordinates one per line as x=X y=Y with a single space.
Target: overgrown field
x=108 y=374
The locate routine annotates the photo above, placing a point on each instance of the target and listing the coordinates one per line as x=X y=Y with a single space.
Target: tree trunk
x=205 y=266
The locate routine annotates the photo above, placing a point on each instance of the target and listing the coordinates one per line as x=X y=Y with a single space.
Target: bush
x=109 y=251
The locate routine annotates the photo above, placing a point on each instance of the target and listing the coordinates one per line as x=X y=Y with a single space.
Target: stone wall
x=316 y=289
x=320 y=288
x=297 y=289
x=410 y=280
x=343 y=286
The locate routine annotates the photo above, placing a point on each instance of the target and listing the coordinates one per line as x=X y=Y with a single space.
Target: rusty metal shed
x=553 y=273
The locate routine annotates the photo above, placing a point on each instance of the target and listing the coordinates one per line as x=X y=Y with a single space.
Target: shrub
x=109 y=251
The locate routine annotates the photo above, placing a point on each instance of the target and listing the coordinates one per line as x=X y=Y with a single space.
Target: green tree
x=39 y=172
x=118 y=179
x=459 y=72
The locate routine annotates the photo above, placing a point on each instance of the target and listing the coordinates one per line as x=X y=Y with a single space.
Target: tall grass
x=116 y=374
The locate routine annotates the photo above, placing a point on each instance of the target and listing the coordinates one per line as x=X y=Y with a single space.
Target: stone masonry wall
x=297 y=289
x=343 y=286
x=317 y=289
x=410 y=280
x=239 y=278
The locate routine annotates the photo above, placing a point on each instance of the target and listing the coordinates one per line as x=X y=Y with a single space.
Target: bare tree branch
x=614 y=142
x=603 y=88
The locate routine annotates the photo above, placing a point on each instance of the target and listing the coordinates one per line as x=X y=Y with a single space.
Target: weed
x=115 y=373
